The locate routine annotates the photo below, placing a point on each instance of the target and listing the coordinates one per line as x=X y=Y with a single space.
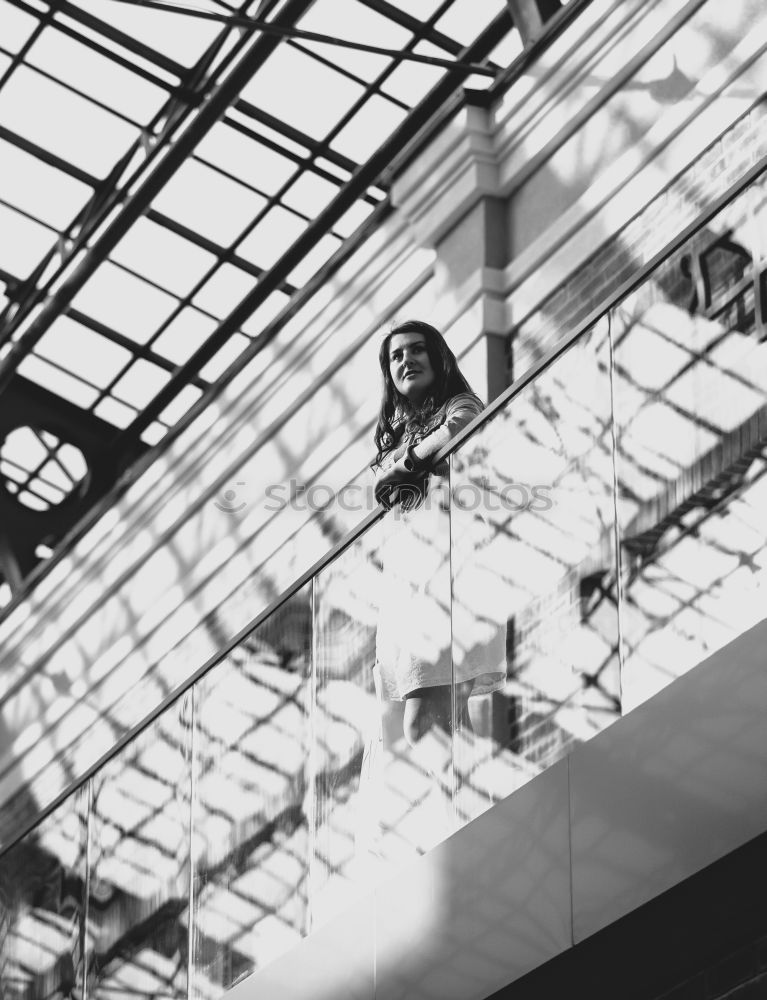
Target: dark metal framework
x=117 y=341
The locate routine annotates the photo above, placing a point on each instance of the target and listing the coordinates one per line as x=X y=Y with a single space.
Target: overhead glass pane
x=352 y=219
x=320 y=254
x=43 y=489
x=163 y=257
x=5 y=62
x=313 y=107
x=220 y=361
x=23 y=244
x=265 y=313
x=83 y=352
x=63 y=123
x=44 y=192
x=221 y=292
x=141 y=383
x=423 y=9
x=279 y=140
x=12 y=472
x=238 y=154
x=507 y=50
x=17 y=26
x=209 y=203
x=183 y=335
x=464 y=19
x=59 y=382
x=115 y=412
x=370 y=127
x=181 y=405
x=411 y=81
x=154 y=433
x=97 y=76
x=56 y=474
x=124 y=302
x=24 y=448
x=176 y=35
x=309 y=194
x=73 y=461
x=273 y=235
x=351 y=20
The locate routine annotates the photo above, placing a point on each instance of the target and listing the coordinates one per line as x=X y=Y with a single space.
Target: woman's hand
x=393 y=471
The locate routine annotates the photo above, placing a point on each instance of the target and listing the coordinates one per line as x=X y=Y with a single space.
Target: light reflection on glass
x=42 y=880
x=534 y=576
x=250 y=816
x=139 y=863
x=691 y=379
x=382 y=626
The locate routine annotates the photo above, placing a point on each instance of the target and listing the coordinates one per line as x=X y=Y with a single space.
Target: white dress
x=414 y=642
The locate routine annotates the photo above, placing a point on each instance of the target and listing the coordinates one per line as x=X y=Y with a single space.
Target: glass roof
x=112 y=83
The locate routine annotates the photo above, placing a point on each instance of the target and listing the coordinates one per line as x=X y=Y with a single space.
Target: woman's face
x=410 y=366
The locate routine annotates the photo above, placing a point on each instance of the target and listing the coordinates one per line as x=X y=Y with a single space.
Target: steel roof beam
x=364 y=176
x=209 y=113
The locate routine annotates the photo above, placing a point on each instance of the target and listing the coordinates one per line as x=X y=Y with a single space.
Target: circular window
x=39 y=469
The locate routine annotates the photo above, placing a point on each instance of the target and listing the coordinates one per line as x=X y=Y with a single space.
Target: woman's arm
x=461 y=410
x=401 y=462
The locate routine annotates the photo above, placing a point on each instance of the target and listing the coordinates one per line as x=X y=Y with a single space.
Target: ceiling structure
x=175 y=177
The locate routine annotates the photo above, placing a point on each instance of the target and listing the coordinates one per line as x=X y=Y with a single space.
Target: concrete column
x=451 y=199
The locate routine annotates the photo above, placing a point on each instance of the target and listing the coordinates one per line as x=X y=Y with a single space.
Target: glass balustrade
x=596 y=535
x=534 y=576
x=690 y=373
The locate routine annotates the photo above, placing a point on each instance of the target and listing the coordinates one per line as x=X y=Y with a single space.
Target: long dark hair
x=448 y=382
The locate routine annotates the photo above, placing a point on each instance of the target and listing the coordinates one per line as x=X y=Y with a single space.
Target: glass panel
x=139 y=864
x=465 y=17
x=314 y=108
x=206 y=201
x=276 y=232
x=17 y=26
x=96 y=75
x=104 y=298
x=251 y=839
x=42 y=881
x=141 y=383
x=58 y=381
x=372 y=124
x=691 y=384
x=351 y=20
x=411 y=81
x=162 y=257
x=242 y=156
x=85 y=353
x=63 y=123
x=24 y=243
x=383 y=757
x=171 y=32
x=224 y=290
x=49 y=194
x=532 y=519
